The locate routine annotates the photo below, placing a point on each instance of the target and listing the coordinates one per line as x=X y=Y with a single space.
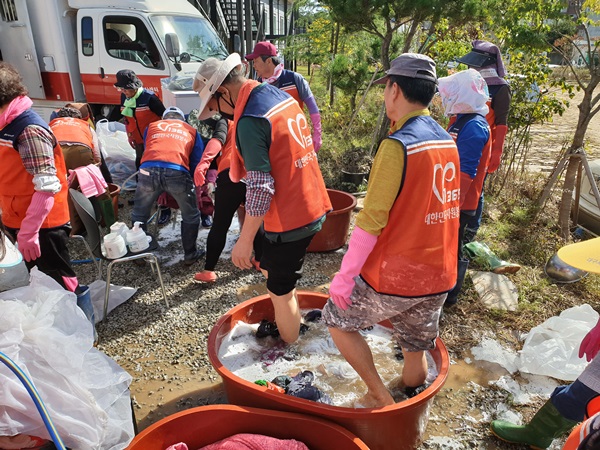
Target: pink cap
x=263 y=48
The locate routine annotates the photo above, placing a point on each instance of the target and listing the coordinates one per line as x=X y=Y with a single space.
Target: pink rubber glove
x=28 y=235
x=359 y=248
x=316 y=122
x=212 y=149
x=591 y=343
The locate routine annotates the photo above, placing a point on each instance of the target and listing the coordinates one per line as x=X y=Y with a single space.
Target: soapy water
x=252 y=359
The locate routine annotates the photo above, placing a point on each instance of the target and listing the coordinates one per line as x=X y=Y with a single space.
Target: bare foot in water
x=371 y=401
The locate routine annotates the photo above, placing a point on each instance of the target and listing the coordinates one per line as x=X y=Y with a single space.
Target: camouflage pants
x=414 y=320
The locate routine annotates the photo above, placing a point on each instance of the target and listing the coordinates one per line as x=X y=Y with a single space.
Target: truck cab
x=71 y=50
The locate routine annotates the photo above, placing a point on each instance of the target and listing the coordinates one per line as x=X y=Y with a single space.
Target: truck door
x=17 y=47
x=121 y=40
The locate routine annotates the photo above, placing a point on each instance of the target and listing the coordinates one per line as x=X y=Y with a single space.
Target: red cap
x=263 y=48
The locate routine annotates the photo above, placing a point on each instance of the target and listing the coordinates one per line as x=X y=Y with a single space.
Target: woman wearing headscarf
x=486 y=58
x=464 y=97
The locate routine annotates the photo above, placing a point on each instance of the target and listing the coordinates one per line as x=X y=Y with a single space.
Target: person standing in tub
x=285 y=191
x=401 y=257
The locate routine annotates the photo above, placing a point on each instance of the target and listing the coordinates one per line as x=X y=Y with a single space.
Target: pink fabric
x=16 y=107
x=276 y=74
x=28 y=235
x=167 y=200
x=211 y=176
x=71 y=283
x=91 y=181
x=590 y=344
x=180 y=446
x=246 y=441
x=205 y=203
x=212 y=149
x=316 y=122
x=359 y=248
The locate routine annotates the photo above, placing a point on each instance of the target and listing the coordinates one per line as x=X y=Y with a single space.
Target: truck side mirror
x=172 y=48
x=172 y=45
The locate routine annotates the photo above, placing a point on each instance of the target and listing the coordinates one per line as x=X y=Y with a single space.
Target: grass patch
x=516 y=233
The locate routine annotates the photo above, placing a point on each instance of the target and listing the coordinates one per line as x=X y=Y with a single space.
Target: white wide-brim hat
x=209 y=77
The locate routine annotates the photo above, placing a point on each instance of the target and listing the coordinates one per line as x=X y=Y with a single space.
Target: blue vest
x=262 y=99
x=13 y=130
x=415 y=130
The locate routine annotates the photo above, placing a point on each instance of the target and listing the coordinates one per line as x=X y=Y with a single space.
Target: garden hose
x=36 y=399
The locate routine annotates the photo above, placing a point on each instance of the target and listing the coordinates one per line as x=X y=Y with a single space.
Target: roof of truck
x=172 y=6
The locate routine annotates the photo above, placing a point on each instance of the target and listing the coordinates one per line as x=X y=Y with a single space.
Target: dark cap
x=478 y=58
x=263 y=48
x=127 y=79
x=412 y=65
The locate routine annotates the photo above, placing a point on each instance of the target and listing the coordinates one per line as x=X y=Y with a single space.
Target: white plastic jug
x=137 y=240
x=114 y=246
x=120 y=228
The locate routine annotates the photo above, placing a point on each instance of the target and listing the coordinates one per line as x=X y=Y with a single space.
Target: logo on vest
x=296 y=127
x=166 y=126
x=441 y=175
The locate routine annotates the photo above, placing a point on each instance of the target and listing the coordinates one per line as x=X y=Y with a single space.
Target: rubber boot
x=189 y=235
x=539 y=433
x=108 y=209
x=84 y=301
x=483 y=256
x=452 y=298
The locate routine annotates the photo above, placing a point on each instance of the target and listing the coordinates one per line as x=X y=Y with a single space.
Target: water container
x=137 y=240
x=120 y=228
x=114 y=246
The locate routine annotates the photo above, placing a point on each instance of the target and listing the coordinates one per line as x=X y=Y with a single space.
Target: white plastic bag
x=552 y=348
x=85 y=392
x=118 y=153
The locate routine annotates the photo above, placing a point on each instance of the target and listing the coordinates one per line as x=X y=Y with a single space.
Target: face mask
x=219 y=96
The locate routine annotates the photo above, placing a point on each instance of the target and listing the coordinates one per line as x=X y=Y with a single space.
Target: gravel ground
x=164 y=349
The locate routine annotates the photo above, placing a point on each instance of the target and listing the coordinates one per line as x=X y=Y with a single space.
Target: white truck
x=70 y=50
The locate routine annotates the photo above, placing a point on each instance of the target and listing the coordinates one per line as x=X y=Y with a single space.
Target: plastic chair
x=95 y=260
x=85 y=209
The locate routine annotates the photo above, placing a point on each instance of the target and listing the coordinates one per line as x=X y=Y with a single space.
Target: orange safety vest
x=16 y=184
x=224 y=159
x=472 y=196
x=300 y=193
x=70 y=130
x=581 y=431
x=415 y=254
x=287 y=83
x=142 y=117
x=171 y=141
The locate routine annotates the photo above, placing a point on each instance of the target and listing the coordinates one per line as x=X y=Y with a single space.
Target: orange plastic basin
x=399 y=426
x=205 y=425
x=334 y=233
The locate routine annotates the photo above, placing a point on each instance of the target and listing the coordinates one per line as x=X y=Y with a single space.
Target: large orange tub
x=400 y=426
x=205 y=425
x=334 y=233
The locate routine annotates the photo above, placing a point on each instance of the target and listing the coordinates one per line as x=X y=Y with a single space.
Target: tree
x=544 y=25
x=385 y=18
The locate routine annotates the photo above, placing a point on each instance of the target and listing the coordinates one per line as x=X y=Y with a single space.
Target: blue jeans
x=571 y=400
x=153 y=181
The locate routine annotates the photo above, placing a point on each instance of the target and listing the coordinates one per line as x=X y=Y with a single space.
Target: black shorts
x=283 y=261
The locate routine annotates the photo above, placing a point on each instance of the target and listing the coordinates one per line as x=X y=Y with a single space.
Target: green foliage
x=349 y=73
x=385 y=19
x=313 y=46
x=534 y=100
